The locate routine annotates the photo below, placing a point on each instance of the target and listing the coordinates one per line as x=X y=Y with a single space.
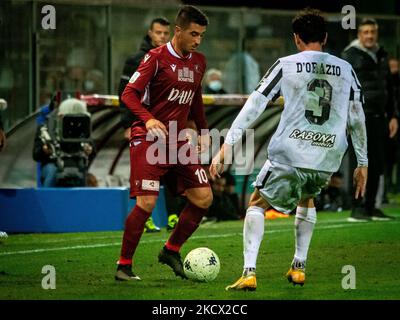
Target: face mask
x=89 y=85
x=215 y=85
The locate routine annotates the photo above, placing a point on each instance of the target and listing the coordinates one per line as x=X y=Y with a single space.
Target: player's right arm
x=138 y=84
x=255 y=105
x=358 y=133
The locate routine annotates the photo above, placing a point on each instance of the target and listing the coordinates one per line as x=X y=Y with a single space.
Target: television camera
x=69 y=143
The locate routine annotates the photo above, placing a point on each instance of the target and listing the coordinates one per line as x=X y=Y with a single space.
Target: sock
x=246 y=271
x=304 y=227
x=253 y=233
x=188 y=222
x=134 y=227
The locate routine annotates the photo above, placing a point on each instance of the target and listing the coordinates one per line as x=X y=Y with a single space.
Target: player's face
x=368 y=35
x=190 y=38
x=159 y=34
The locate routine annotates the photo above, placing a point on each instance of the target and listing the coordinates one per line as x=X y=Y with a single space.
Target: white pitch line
x=109 y=237
x=100 y=245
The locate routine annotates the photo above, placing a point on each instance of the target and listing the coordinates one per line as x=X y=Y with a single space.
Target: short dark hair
x=161 y=20
x=310 y=25
x=188 y=14
x=367 y=21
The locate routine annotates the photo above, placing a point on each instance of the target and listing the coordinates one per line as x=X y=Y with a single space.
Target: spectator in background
x=213 y=82
x=334 y=197
x=230 y=191
x=78 y=62
x=370 y=62
x=393 y=144
x=241 y=73
x=94 y=82
x=222 y=208
x=157 y=35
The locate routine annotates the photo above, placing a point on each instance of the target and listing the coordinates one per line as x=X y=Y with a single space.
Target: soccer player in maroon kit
x=167 y=87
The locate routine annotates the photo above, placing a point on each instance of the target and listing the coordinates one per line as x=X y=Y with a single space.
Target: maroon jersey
x=166 y=87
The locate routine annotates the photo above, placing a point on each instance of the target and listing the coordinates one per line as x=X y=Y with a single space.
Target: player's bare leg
x=199 y=200
x=306 y=217
x=253 y=232
x=134 y=227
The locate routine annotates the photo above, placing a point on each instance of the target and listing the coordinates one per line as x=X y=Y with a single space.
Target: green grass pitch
x=85 y=263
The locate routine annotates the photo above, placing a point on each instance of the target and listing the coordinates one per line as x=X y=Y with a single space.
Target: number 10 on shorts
x=201 y=175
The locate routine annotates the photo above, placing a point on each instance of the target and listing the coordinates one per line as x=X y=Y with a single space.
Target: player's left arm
x=255 y=105
x=266 y=91
x=358 y=133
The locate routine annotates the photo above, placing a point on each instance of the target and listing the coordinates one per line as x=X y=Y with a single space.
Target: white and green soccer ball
x=201 y=264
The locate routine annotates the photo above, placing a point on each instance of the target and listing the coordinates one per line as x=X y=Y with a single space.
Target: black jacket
x=375 y=80
x=131 y=64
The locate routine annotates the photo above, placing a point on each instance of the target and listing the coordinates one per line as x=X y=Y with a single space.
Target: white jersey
x=322 y=99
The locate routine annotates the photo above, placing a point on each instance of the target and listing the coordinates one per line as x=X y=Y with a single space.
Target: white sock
x=304 y=227
x=253 y=233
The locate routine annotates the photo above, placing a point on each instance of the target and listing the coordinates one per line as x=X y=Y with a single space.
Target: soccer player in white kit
x=323 y=101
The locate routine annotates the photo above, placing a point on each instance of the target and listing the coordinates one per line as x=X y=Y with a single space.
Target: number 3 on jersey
x=201 y=175
x=318 y=105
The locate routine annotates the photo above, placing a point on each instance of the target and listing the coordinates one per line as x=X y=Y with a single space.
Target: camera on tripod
x=69 y=142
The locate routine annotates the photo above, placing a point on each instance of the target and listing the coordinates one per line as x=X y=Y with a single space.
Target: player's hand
x=393 y=126
x=156 y=128
x=46 y=149
x=360 y=181
x=217 y=164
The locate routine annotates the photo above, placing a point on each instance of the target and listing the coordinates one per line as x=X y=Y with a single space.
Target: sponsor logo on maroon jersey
x=185 y=75
x=182 y=96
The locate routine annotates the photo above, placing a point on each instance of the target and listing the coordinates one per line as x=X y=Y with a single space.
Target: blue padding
x=68 y=209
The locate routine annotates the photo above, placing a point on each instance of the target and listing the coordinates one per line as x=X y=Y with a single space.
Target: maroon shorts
x=146 y=174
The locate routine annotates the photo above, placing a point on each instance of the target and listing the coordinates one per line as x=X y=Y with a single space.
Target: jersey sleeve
x=255 y=105
x=356 y=121
x=270 y=84
x=137 y=86
x=145 y=72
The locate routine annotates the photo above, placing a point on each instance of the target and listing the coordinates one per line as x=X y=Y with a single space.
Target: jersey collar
x=174 y=53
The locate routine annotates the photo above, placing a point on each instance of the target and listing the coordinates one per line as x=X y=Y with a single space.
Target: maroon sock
x=188 y=222
x=134 y=227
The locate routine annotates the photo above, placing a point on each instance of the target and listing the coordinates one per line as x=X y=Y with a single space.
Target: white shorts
x=283 y=186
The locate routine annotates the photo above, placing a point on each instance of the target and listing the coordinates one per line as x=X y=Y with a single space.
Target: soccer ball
x=201 y=264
